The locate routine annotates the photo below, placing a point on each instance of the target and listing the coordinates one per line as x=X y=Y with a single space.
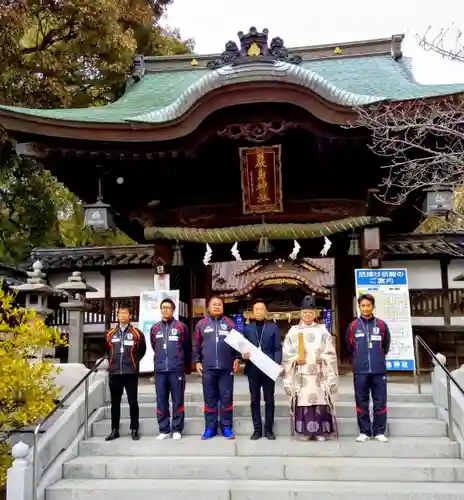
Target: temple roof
x=348 y=74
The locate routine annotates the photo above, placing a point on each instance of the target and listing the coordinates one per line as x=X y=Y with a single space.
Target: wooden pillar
x=107 y=307
x=444 y=263
x=344 y=292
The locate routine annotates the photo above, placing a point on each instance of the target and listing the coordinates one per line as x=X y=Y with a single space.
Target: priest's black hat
x=308 y=302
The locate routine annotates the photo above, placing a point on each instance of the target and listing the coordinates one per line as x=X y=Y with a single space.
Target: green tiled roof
x=349 y=81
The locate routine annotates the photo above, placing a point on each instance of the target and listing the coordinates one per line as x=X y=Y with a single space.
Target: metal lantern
x=438 y=201
x=98 y=217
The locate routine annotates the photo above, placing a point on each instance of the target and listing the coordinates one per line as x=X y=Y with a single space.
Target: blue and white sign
x=239 y=320
x=369 y=277
x=327 y=316
x=390 y=290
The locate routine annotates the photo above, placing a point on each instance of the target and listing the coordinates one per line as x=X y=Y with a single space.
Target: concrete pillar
x=76 y=287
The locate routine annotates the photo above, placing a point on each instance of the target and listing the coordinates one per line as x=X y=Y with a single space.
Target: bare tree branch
x=422 y=142
x=448 y=42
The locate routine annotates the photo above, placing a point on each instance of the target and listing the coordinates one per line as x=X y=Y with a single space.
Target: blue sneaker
x=228 y=433
x=208 y=434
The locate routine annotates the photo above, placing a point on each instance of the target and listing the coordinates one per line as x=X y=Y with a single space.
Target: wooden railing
x=96 y=315
x=430 y=302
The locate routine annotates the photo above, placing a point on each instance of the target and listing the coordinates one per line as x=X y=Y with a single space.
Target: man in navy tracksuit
x=172 y=348
x=216 y=361
x=368 y=340
x=265 y=336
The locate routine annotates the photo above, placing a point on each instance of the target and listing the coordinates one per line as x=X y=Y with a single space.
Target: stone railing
x=61 y=439
x=440 y=398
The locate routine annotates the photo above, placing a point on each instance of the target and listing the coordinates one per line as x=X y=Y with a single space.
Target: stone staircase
x=419 y=462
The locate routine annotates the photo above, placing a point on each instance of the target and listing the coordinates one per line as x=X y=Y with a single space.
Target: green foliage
x=27 y=388
x=59 y=53
x=27 y=209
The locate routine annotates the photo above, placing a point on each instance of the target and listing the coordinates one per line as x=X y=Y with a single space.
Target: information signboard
x=149 y=314
x=390 y=290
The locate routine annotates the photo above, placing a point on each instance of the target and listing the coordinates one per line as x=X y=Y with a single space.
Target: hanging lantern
x=354 y=244
x=98 y=217
x=438 y=201
x=177 y=259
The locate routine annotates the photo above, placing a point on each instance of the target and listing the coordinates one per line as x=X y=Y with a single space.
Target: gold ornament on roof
x=254 y=50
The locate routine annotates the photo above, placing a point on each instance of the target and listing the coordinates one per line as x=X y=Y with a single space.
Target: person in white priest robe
x=310 y=375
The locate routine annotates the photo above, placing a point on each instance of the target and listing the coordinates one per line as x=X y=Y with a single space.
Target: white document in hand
x=268 y=366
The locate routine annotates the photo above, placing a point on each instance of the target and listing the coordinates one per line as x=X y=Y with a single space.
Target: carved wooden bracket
x=257 y=132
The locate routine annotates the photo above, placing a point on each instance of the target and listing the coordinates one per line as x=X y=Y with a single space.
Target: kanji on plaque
x=261 y=179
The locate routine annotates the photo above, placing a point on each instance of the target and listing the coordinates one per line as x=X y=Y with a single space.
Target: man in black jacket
x=126 y=347
x=265 y=335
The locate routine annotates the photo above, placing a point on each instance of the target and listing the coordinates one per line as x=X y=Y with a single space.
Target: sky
x=307 y=22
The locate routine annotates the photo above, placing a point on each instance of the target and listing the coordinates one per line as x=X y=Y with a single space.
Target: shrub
x=27 y=388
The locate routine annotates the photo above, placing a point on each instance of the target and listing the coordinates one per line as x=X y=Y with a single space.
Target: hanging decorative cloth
x=264 y=246
x=326 y=247
x=177 y=259
x=208 y=255
x=354 y=244
x=296 y=249
x=234 y=251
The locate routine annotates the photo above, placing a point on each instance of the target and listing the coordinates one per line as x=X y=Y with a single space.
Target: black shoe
x=114 y=435
x=256 y=435
x=135 y=435
x=270 y=435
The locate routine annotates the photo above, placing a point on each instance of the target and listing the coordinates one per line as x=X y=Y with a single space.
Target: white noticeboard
x=267 y=365
x=390 y=290
x=149 y=314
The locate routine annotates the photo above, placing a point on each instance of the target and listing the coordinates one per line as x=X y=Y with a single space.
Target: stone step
x=343 y=409
x=348 y=427
x=148 y=489
x=197 y=397
x=191 y=446
x=267 y=468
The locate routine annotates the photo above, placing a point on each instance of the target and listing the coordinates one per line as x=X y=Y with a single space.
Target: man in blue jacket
x=368 y=340
x=265 y=336
x=172 y=349
x=216 y=361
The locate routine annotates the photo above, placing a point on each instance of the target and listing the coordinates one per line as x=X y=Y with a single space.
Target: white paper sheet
x=268 y=366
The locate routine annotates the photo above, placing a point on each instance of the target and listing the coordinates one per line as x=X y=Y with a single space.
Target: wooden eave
x=221 y=98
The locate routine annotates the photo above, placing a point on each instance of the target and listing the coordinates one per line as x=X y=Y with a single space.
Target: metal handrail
x=84 y=380
x=449 y=378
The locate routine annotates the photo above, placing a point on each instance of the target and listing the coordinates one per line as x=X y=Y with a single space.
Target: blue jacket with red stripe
x=172 y=346
x=368 y=341
x=210 y=348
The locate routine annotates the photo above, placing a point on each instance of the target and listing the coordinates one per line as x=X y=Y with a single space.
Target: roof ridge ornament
x=254 y=47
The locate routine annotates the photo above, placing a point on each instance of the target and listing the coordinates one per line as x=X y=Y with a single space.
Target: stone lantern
x=76 y=287
x=37 y=291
